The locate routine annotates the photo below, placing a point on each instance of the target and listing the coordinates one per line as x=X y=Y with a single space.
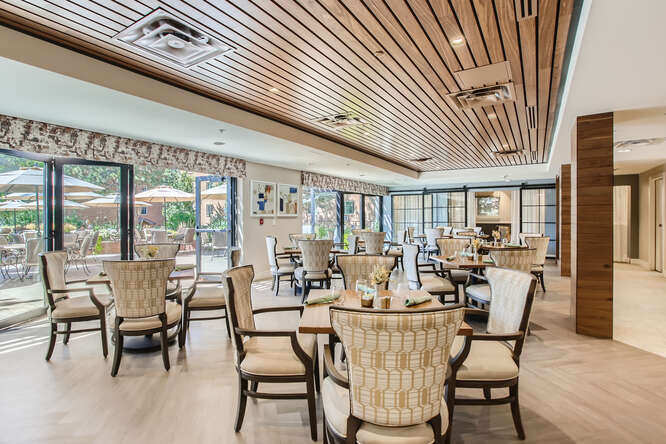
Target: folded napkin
x=487 y=260
x=513 y=245
x=366 y=288
x=466 y=254
x=451 y=258
x=417 y=299
x=184 y=267
x=327 y=299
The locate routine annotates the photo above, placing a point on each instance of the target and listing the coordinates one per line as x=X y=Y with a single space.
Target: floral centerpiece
x=476 y=243
x=151 y=251
x=379 y=275
x=496 y=235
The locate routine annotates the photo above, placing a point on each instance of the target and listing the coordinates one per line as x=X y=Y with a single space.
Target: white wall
x=646 y=212
x=251 y=235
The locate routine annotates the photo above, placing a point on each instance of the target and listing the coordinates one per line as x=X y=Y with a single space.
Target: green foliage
x=98 y=246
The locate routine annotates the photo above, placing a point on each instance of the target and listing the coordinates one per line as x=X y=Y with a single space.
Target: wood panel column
x=565 y=220
x=592 y=225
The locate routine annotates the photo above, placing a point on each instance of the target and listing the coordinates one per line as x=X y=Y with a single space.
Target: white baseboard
x=640 y=262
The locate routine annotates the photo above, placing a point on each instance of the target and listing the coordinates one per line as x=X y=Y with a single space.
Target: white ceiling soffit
x=640 y=139
x=620 y=65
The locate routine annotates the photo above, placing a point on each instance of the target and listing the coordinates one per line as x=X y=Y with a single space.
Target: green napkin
x=417 y=299
x=327 y=299
x=451 y=258
x=513 y=245
x=184 y=267
x=487 y=260
x=466 y=254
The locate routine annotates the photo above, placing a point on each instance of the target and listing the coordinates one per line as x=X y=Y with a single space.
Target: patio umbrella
x=165 y=194
x=70 y=204
x=218 y=193
x=82 y=195
x=14 y=205
x=29 y=180
x=111 y=201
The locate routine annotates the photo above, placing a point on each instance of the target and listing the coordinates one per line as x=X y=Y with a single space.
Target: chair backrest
x=139 y=287
x=85 y=245
x=238 y=294
x=359 y=266
x=235 y=256
x=410 y=253
x=374 y=241
x=32 y=249
x=93 y=242
x=29 y=234
x=523 y=236
x=271 y=247
x=295 y=238
x=4 y=239
x=315 y=254
x=188 y=236
x=52 y=271
x=410 y=234
x=432 y=234
x=520 y=260
x=512 y=295
x=157 y=251
x=446 y=231
x=448 y=247
x=352 y=244
x=396 y=361
x=401 y=237
x=540 y=246
x=477 y=230
x=357 y=232
x=158 y=237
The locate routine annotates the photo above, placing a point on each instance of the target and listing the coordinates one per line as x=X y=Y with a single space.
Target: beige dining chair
x=540 y=246
x=316 y=265
x=206 y=294
x=384 y=396
x=63 y=305
x=295 y=238
x=491 y=360
x=33 y=247
x=428 y=280
x=448 y=247
x=355 y=267
x=271 y=356
x=514 y=259
x=166 y=250
x=141 y=308
x=279 y=268
x=396 y=250
x=432 y=234
x=374 y=241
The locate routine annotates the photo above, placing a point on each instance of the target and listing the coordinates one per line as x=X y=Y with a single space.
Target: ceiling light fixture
x=421 y=159
x=458 y=41
x=379 y=53
x=219 y=143
x=492 y=116
x=274 y=90
x=506 y=178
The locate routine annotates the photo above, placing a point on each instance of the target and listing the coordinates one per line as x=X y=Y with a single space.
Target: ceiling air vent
x=164 y=35
x=526 y=9
x=487 y=96
x=531 y=117
x=507 y=152
x=341 y=120
x=627 y=145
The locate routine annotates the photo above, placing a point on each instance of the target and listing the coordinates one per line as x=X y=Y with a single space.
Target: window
x=445 y=209
x=320 y=213
x=144 y=211
x=372 y=213
x=407 y=211
x=538 y=214
x=210 y=209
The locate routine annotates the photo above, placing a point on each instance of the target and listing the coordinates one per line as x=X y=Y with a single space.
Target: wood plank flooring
x=573 y=389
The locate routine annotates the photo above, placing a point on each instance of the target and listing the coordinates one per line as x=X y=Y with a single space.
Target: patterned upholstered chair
x=432 y=234
x=141 y=308
x=540 y=246
x=520 y=260
x=523 y=236
x=295 y=238
x=429 y=280
x=65 y=309
x=393 y=390
x=396 y=250
x=410 y=234
x=449 y=247
x=359 y=266
x=165 y=250
x=352 y=248
x=446 y=231
x=279 y=268
x=316 y=265
x=205 y=294
x=491 y=360
x=275 y=356
x=374 y=241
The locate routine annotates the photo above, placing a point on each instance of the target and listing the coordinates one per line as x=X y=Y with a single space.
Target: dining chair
x=352 y=248
x=428 y=280
x=29 y=234
x=79 y=256
x=449 y=247
x=540 y=246
x=93 y=244
x=205 y=294
x=234 y=257
x=396 y=369
x=355 y=267
x=316 y=265
x=491 y=360
x=410 y=234
x=374 y=241
x=432 y=234
x=33 y=247
x=166 y=250
x=523 y=236
x=219 y=244
x=63 y=308
x=295 y=238
x=273 y=356
x=446 y=231
x=278 y=268
x=159 y=237
x=520 y=260
x=187 y=239
x=141 y=308
x=396 y=250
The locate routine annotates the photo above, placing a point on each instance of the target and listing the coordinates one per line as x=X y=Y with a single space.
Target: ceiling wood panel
x=389 y=62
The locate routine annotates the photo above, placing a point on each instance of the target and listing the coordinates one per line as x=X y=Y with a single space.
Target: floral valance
x=61 y=141
x=340 y=184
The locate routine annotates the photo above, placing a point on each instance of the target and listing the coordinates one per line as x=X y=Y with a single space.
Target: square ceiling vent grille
x=162 y=34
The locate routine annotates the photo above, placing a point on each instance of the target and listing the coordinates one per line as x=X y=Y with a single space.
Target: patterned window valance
x=61 y=141
x=339 y=184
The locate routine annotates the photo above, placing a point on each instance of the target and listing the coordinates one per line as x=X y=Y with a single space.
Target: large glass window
x=407 y=211
x=320 y=213
x=445 y=209
x=539 y=214
x=372 y=213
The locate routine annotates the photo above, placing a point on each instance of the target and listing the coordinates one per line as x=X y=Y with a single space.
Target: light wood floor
x=573 y=389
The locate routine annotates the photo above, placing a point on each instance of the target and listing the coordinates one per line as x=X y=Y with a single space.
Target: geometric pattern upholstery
x=432 y=234
x=139 y=287
x=374 y=241
x=521 y=260
x=295 y=238
x=449 y=247
x=241 y=280
x=315 y=254
x=159 y=251
x=396 y=362
x=540 y=245
x=509 y=290
x=358 y=267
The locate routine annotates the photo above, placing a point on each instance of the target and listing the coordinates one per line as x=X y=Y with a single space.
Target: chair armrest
x=476 y=312
x=497 y=337
x=78 y=281
x=300 y=353
x=429 y=265
x=298 y=308
x=89 y=290
x=331 y=371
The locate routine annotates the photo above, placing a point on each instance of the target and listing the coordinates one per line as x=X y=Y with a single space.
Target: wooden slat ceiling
x=390 y=62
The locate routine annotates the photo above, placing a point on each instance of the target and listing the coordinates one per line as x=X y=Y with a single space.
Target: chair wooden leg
x=515 y=411
x=450 y=405
x=312 y=410
x=164 y=339
x=436 y=424
x=182 y=334
x=69 y=331
x=543 y=284
x=276 y=282
x=105 y=344
x=316 y=372
x=118 y=352
x=52 y=340
x=242 y=402
x=323 y=427
x=273 y=283
x=486 y=392
x=254 y=386
x=226 y=322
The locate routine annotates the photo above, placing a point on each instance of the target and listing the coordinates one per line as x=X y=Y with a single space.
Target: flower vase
x=476 y=255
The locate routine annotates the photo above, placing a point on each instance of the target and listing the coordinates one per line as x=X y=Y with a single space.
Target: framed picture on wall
x=262 y=198
x=288 y=203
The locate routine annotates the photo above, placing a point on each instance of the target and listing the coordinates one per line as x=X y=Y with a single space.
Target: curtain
x=340 y=184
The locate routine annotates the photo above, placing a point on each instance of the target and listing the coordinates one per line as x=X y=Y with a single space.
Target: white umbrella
x=219 y=192
x=13 y=205
x=165 y=194
x=82 y=195
x=65 y=204
x=111 y=201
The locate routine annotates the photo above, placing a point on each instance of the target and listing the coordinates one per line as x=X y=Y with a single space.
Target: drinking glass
x=362 y=286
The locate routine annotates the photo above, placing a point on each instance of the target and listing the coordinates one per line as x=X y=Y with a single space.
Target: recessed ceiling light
x=379 y=53
x=624 y=150
x=506 y=178
x=219 y=143
x=492 y=116
x=421 y=159
x=362 y=175
x=458 y=41
x=221 y=130
x=274 y=90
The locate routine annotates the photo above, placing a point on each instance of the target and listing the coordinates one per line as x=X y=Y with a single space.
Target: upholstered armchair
x=274 y=356
x=491 y=360
x=316 y=265
x=374 y=241
x=166 y=250
x=395 y=249
x=352 y=248
x=64 y=307
x=523 y=236
x=428 y=280
x=385 y=398
x=279 y=269
x=295 y=238
x=449 y=247
x=432 y=234
x=446 y=231
x=540 y=246
x=205 y=294
x=359 y=266
x=141 y=308
x=521 y=260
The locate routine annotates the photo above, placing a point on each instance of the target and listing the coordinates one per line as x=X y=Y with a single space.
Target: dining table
x=463 y=262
